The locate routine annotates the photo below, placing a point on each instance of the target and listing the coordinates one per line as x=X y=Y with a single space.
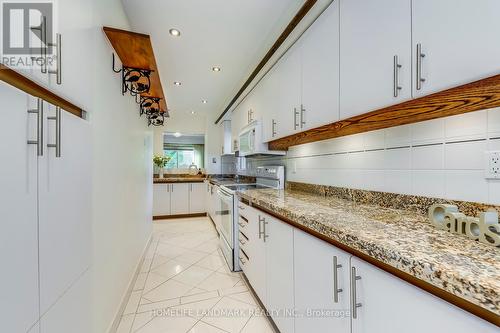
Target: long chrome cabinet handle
x=57 y=145
x=420 y=56
x=261 y=233
x=354 y=304
x=295 y=115
x=264 y=230
x=302 y=116
x=397 y=66
x=274 y=128
x=43 y=47
x=39 y=126
x=58 y=70
x=336 y=289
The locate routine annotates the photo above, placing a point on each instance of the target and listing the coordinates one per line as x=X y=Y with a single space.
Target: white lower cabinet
x=278 y=239
x=333 y=291
x=197 y=203
x=321 y=290
x=179 y=198
x=391 y=305
x=161 y=199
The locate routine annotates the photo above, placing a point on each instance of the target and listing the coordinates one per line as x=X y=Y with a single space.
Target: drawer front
x=243 y=225
x=244 y=260
x=246 y=211
x=243 y=242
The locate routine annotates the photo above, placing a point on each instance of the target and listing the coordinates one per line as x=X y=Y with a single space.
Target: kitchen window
x=182 y=156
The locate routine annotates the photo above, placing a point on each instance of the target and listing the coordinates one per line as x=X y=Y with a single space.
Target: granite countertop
x=400 y=238
x=182 y=179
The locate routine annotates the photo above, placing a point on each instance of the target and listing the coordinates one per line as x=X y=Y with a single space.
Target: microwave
x=252 y=141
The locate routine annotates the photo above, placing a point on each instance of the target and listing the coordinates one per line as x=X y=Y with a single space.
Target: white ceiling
x=232 y=34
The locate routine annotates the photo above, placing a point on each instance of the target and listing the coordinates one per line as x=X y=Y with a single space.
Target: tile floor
x=184 y=286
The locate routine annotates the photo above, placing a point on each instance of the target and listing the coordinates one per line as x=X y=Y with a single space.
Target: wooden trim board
x=453 y=299
x=32 y=88
x=306 y=7
x=475 y=96
x=179 y=216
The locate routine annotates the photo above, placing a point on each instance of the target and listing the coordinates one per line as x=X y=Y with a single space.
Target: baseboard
x=179 y=216
x=130 y=289
x=256 y=297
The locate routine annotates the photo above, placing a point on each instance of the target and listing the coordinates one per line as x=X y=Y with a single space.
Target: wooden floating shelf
x=21 y=82
x=135 y=51
x=475 y=96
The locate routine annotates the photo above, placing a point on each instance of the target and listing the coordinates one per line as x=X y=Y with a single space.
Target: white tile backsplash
x=494 y=122
x=465 y=155
x=437 y=158
x=428 y=157
x=468 y=126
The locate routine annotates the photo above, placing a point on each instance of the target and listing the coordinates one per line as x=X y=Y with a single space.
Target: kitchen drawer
x=246 y=211
x=243 y=259
x=243 y=224
x=243 y=242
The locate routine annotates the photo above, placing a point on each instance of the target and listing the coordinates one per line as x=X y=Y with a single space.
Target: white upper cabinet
x=18 y=211
x=269 y=111
x=320 y=70
x=286 y=83
x=372 y=34
x=459 y=39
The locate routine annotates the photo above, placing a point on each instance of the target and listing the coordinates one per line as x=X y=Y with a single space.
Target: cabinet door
x=279 y=272
x=287 y=84
x=64 y=207
x=315 y=280
x=257 y=253
x=459 y=40
x=73 y=20
x=161 y=199
x=18 y=209
x=371 y=34
x=320 y=70
x=197 y=202
x=180 y=199
x=268 y=110
x=389 y=304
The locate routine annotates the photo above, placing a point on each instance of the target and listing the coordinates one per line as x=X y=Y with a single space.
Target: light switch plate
x=492 y=165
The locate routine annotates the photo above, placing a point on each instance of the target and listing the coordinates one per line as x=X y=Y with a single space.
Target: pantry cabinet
x=375 y=55
x=459 y=41
x=46 y=210
x=18 y=208
x=64 y=205
x=321 y=274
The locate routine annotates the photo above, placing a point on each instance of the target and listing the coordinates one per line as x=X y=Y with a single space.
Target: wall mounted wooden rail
x=306 y=7
x=21 y=82
x=135 y=51
x=478 y=95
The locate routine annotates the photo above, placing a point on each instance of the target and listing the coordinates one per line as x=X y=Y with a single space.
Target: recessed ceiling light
x=177 y=134
x=216 y=69
x=177 y=83
x=174 y=32
x=204 y=101
x=192 y=112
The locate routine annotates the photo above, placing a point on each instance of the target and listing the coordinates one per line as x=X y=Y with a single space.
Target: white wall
x=438 y=158
x=213 y=145
x=122 y=172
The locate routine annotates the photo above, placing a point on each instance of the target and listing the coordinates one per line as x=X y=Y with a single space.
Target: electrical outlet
x=492 y=165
